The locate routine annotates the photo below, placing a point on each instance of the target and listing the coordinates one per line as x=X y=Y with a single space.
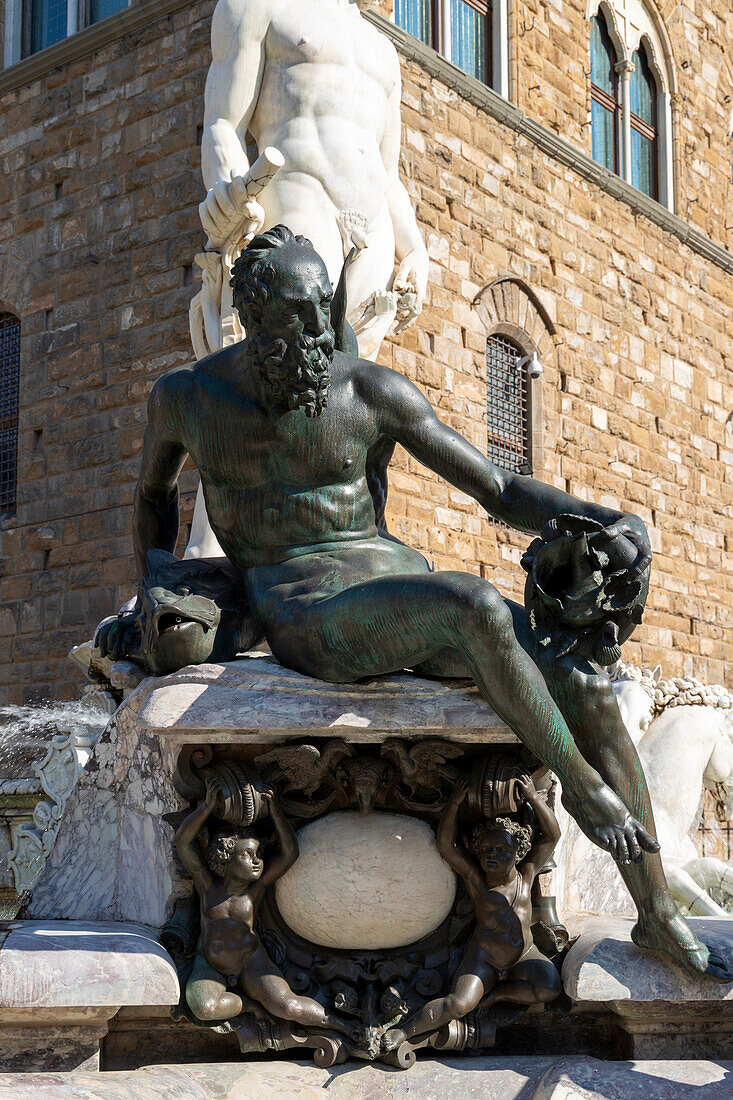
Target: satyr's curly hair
x=253 y=272
x=522 y=834
x=219 y=848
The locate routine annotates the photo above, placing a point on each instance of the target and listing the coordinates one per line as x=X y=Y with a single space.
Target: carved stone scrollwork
x=253 y=975
x=58 y=773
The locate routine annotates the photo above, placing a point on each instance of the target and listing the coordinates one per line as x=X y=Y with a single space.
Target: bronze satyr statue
x=501 y=962
x=231 y=877
x=282 y=428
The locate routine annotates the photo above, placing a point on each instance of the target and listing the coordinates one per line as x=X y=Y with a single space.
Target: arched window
x=605 y=108
x=643 y=120
x=508 y=414
x=632 y=85
x=9 y=386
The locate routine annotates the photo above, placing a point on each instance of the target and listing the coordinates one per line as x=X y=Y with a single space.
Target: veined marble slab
x=605 y=966
x=664 y=1011
x=254 y=699
x=49 y=965
x=492 y=1078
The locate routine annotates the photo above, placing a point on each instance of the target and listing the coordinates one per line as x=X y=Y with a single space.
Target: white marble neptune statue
x=316 y=89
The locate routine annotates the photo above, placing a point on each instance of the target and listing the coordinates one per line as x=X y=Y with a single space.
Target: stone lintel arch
x=16 y=285
x=633 y=22
x=660 y=45
x=604 y=8
x=509 y=307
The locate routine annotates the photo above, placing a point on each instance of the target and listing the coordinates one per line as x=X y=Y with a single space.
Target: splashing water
x=26 y=732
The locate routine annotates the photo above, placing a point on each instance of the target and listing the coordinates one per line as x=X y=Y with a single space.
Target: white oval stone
x=366 y=883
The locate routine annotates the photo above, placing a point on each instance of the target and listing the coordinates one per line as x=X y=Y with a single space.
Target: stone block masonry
x=99 y=187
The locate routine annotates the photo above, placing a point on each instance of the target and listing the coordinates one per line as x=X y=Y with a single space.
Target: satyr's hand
x=411 y=284
x=526 y=789
x=117 y=637
x=213 y=790
x=226 y=208
x=269 y=798
x=605 y=820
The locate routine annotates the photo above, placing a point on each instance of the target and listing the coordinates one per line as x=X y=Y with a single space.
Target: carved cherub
x=501 y=963
x=231 y=877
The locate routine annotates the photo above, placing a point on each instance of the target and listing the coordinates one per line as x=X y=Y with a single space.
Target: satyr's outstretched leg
x=534 y=980
x=585 y=696
x=394 y=622
x=587 y=701
x=475 y=977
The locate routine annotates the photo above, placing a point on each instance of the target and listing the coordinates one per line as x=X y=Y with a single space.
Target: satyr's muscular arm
x=187 y=844
x=405 y=415
x=155 y=521
x=238 y=30
x=276 y=867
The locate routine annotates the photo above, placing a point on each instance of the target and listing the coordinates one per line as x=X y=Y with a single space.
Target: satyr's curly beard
x=296 y=375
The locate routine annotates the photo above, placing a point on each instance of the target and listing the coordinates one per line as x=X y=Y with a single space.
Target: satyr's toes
x=622 y=850
x=718 y=968
x=646 y=840
x=609 y=842
x=635 y=851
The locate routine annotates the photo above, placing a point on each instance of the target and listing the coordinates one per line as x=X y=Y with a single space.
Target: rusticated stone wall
x=98 y=228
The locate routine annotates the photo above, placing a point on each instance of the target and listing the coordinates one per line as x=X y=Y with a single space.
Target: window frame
x=611 y=103
x=651 y=133
x=635 y=26
x=78 y=18
x=440 y=21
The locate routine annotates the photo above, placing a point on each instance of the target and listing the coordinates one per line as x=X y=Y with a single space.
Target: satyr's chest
x=308 y=453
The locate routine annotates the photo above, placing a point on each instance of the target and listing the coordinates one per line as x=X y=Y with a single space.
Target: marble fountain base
x=86 y=984
x=492 y=1078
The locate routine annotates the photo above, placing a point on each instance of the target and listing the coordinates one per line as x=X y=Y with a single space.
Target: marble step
x=468 y=1079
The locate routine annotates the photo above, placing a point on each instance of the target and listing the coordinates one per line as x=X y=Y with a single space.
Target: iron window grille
x=507 y=406
x=9 y=387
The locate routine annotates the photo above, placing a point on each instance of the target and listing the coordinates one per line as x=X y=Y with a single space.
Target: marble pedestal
x=664 y=1011
x=114 y=858
x=114 y=861
x=518 y=1078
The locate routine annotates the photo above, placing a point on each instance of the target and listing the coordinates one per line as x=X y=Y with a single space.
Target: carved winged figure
x=421 y=764
x=305 y=768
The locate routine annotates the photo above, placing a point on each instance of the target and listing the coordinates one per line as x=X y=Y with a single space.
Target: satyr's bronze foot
x=674 y=936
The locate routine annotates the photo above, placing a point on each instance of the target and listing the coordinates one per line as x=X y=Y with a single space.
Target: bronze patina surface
x=282 y=429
